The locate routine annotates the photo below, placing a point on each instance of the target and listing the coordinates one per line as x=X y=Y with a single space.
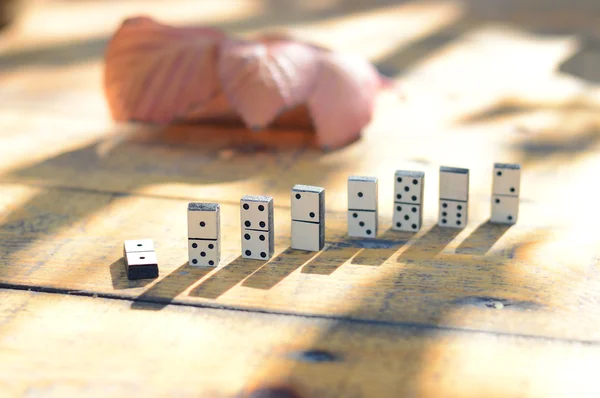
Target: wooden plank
x=72 y=187
x=97 y=347
x=521 y=280
x=223 y=164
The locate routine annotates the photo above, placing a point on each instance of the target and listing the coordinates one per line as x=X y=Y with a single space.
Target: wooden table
x=489 y=311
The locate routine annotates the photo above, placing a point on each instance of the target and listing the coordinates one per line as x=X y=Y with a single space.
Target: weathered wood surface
x=71 y=240
x=96 y=347
x=473 y=89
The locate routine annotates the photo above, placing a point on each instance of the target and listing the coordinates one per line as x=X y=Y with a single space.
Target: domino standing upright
x=140 y=259
x=454 y=197
x=408 y=200
x=506 y=182
x=204 y=234
x=308 y=217
x=256 y=215
x=362 y=207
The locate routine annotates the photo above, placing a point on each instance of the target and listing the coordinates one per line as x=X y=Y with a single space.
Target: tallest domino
x=505 y=193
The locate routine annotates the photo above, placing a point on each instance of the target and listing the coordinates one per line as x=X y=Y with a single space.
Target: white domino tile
x=408 y=200
x=257 y=227
x=308 y=217
x=204 y=234
x=506 y=188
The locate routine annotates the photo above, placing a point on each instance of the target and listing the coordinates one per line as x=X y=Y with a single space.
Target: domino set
x=308 y=216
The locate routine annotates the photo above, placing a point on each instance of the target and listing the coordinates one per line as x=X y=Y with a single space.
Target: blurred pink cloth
x=157 y=73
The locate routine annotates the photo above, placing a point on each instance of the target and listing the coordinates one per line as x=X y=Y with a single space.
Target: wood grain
x=71 y=240
x=487 y=311
x=202 y=352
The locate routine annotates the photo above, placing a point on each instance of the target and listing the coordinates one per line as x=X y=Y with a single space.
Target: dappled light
x=440 y=312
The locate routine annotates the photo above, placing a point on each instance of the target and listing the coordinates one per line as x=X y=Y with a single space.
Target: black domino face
x=142 y=272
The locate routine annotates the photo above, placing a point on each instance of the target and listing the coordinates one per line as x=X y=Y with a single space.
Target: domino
x=506 y=181
x=408 y=200
x=362 y=206
x=308 y=217
x=454 y=197
x=140 y=259
x=258 y=236
x=204 y=234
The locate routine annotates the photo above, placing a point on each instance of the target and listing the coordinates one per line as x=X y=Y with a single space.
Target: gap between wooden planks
x=97 y=347
x=487 y=277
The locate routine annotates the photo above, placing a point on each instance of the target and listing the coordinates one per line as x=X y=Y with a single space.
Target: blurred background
x=479 y=81
x=398 y=36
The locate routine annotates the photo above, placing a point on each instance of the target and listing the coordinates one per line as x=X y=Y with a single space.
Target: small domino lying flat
x=308 y=217
x=256 y=215
x=204 y=238
x=454 y=197
x=140 y=259
x=408 y=200
x=362 y=207
x=506 y=182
